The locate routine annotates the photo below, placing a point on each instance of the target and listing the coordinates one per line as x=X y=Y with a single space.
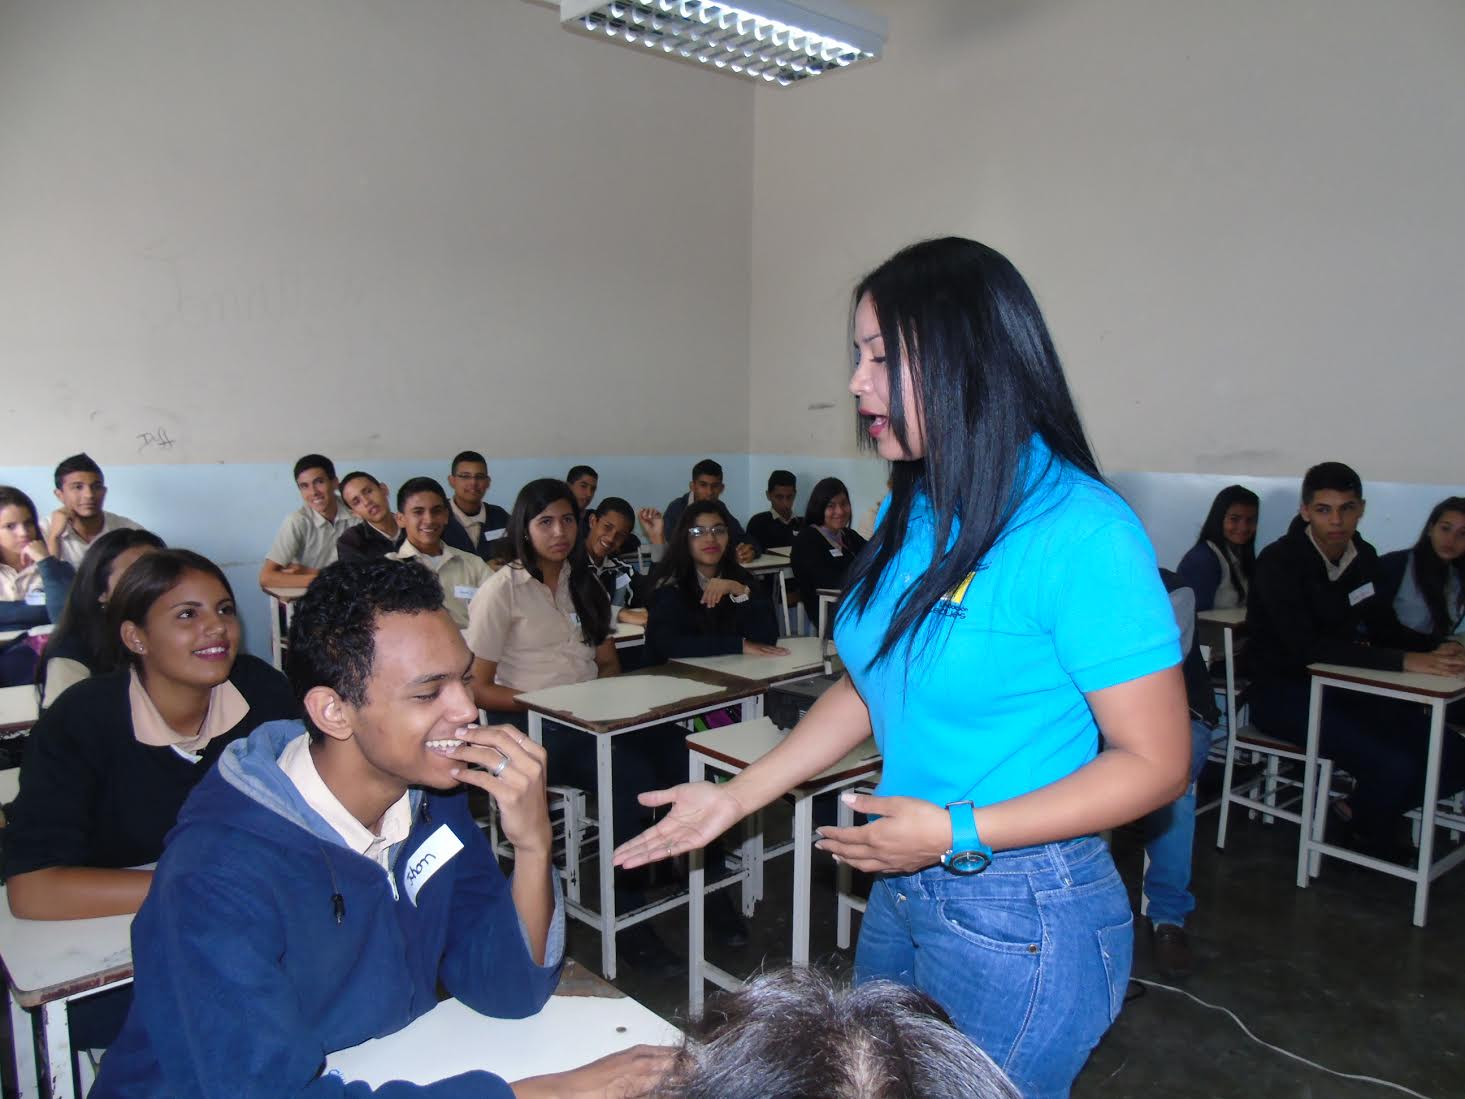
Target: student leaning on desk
x=324 y=881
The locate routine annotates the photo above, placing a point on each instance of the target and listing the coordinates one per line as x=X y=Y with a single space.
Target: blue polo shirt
x=1068 y=601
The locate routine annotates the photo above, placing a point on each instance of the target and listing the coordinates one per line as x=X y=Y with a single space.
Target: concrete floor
x=1335 y=973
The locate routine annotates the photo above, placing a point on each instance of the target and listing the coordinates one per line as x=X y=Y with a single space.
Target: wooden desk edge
x=719 y=684
x=1457 y=686
x=31 y=998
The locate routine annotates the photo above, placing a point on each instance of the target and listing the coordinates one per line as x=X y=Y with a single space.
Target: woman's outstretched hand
x=700 y=812
x=907 y=834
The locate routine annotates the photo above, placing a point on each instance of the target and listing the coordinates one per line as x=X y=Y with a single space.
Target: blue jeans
x=1169 y=835
x=1030 y=957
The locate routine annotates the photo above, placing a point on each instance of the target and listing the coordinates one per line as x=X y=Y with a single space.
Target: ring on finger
x=499 y=767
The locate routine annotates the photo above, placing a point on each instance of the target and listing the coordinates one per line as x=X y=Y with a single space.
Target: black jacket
x=456 y=535
x=768 y=530
x=677 y=627
x=816 y=566
x=364 y=542
x=1296 y=616
x=1199 y=693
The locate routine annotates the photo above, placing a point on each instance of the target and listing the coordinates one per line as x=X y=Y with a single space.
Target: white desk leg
x=696 y=905
x=55 y=1040
x=1309 y=780
x=276 y=649
x=604 y=793
x=803 y=868
x=1428 y=809
x=783 y=603
x=23 y=1042
x=843 y=882
x=536 y=727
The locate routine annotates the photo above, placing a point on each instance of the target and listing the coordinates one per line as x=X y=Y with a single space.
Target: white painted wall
x=1243 y=219
x=363 y=227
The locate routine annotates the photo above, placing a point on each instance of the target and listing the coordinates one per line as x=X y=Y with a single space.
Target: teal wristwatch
x=968 y=854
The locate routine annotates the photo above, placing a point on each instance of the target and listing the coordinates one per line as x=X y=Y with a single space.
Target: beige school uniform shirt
x=296 y=762
x=227 y=708
x=16 y=584
x=460 y=574
x=72 y=546
x=308 y=538
x=531 y=633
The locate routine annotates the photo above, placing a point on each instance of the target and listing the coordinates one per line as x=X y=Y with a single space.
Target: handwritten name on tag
x=1358 y=595
x=494 y=535
x=464 y=591
x=835 y=551
x=36 y=598
x=623 y=580
x=435 y=853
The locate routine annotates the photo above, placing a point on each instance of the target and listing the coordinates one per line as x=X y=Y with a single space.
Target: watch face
x=967 y=862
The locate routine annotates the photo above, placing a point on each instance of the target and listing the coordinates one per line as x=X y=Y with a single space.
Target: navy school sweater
x=249 y=970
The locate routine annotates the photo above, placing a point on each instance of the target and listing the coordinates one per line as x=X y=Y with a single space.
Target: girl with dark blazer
x=1424 y=587
x=825 y=547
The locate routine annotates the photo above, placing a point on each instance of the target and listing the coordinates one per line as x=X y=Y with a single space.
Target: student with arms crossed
x=475 y=527
x=81 y=645
x=706 y=487
x=1315 y=599
x=825 y=547
x=306 y=542
x=1218 y=568
x=34 y=583
x=991 y=872
x=422 y=514
x=270 y=939
x=1424 y=587
x=778 y=526
x=378 y=533
x=80 y=520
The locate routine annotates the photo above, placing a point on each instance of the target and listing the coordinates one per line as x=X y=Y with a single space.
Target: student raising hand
x=653 y=524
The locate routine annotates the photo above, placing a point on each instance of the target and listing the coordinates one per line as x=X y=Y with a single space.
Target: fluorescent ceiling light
x=778 y=41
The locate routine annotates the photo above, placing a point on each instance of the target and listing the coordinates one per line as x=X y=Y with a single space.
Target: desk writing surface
x=1232 y=616
x=627 y=631
x=18 y=706
x=286 y=594
x=741 y=744
x=452 y=1038
x=1435 y=686
x=49 y=959
x=804 y=656
x=768 y=562
x=620 y=698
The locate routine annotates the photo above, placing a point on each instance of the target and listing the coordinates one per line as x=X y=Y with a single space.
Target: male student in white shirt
x=422 y=516
x=80 y=520
x=475 y=525
x=306 y=542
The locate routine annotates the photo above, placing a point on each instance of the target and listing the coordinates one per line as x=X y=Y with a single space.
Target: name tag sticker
x=574 y=619
x=494 y=535
x=435 y=853
x=1358 y=595
x=463 y=591
x=35 y=598
x=835 y=551
x=623 y=580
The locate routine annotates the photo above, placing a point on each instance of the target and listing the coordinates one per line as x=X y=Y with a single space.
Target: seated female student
x=1425 y=585
x=703 y=602
x=108 y=766
x=1218 y=567
x=825 y=547
x=81 y=646
x=34 y=582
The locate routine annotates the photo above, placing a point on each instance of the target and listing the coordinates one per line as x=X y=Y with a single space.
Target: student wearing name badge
x=82 y=645
x=584 y=482
x=324 y=880
x=80 y=520
x=378 y=533
x=606 y=530
x=1316 y=598
x=778 y=526
x=825 y=547
x=1218 y=568
x=974 y=609
x=34 y=583
x=422 y=515
x=306 y=540
x=475 y=526
x=1424 y=586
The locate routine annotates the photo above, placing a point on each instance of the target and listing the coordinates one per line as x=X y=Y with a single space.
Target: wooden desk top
x=768 y=562
x=285 y=595
x=608 y=705
x=741 y=744
x=627 y=631
x=18 y=707
x=49 y=960
x=1425 y=686
x=584 y=1020
x=804 y=658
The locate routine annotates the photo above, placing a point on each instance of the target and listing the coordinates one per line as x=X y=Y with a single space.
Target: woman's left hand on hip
x=909 y=835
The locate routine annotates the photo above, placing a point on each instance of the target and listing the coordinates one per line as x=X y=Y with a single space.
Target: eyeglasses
x=719 y=531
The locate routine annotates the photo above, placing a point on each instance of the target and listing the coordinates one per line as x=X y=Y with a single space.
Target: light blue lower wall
x=230 y=512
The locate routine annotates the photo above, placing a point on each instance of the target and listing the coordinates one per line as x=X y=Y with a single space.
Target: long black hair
x=987 y=378
x=824 y=492
x=81 y=632
x=149 y=579
x=1213 y=531
x=1431 y=572
x=678 y=568
x=587 y=594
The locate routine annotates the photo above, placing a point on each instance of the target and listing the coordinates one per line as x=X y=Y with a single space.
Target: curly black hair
x=333 y=631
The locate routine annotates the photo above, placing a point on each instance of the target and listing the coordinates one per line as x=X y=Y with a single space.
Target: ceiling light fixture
x=779 y=42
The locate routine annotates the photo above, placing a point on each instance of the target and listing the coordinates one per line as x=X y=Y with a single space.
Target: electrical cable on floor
x=1278 y=1049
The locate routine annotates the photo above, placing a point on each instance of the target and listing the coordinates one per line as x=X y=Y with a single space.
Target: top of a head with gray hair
x=796 y=1034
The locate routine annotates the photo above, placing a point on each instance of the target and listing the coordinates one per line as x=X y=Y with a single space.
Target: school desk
x=777 y=566
x=18 y=708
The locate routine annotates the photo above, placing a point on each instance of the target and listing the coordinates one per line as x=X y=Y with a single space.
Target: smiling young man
x=378 y=533
x=606 y=532
x=80 y=520
x=422 y=515
x=323 y=881
x=475 y=526
x=1313 y=600
x=306 y=542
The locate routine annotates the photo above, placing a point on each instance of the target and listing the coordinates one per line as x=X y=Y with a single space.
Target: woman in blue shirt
x=1006 y=613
